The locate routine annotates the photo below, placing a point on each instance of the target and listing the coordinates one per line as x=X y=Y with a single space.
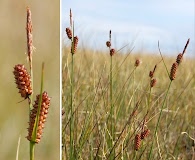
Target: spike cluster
x=151 y=75
x=112 y=52
x=22 y=80
x=42 y=117
x=145 y=133
x=75 y=44
x=179 y=58
x=137 y=62
x=137 y=142
x=173 y=71
x=108 y=44
x=69 y=33
x=153 y=82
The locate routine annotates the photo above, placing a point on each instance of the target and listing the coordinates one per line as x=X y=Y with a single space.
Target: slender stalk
x=32 y=150
x=158 y=122
x=71 y=111
x=112 y=118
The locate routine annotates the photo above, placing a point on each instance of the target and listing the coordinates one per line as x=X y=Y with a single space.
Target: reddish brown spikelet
x=173 y=71
x=153 y=82
x=145 y=133
x=137 y=142
x=75 y=44
x=179 y=58
x=112 y=52
x=29 y=35
x=108 y=44
x=137 y=62
x=151 y=74
x=23 y=80
x=42 y=116
x=69 y=33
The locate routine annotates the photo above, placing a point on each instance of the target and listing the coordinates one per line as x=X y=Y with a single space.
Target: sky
x=138 y=24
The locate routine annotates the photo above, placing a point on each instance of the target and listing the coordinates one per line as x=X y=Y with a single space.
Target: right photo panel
x=128 y=80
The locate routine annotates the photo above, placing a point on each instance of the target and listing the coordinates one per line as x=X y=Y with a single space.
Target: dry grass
x=130 y=86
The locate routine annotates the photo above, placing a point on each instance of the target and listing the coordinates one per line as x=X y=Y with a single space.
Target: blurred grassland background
x=91 y=93
x=13 y=115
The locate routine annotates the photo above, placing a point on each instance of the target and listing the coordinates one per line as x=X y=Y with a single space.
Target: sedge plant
x=39 y=109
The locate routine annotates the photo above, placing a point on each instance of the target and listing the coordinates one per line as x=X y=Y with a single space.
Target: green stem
x=158 y=122
x=71 y=112
x=112 y=118
x=32 y=150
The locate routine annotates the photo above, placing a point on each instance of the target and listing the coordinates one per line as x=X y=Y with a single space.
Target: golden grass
x=130 y=86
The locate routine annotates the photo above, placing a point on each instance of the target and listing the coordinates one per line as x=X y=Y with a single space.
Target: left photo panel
x=30 y=80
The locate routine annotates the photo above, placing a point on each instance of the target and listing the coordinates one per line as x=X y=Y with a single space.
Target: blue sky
x=136 y=23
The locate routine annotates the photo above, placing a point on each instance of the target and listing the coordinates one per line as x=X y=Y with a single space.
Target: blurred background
x=137 y=23
x=14 y=115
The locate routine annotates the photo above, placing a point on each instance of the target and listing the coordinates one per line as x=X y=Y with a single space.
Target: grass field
x=14 y=115
x=136 y=106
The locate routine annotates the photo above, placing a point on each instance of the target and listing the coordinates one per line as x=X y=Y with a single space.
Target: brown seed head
x=153 y=82
x=179 y=58
x=145 y=133
x=137 y=142
x=74 y=45
x=151 y=74
x=173 y=71
x=112 y=52
x=108 y=44
x=42 y=116
x=137 y=62
x=69 y=33
x=23 y=80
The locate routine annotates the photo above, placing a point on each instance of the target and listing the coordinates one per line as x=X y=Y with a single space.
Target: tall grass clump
x=39 y=109
x=124 y=107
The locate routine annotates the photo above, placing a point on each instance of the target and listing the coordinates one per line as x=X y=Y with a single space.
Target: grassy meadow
x=14 y=116
x=136 y=106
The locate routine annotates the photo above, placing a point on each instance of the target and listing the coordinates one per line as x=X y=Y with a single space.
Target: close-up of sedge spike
x=29 y=29
x=137 y=142
x=22 y=80
x=145 y=133
x=173 y=71
x=42 y=117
